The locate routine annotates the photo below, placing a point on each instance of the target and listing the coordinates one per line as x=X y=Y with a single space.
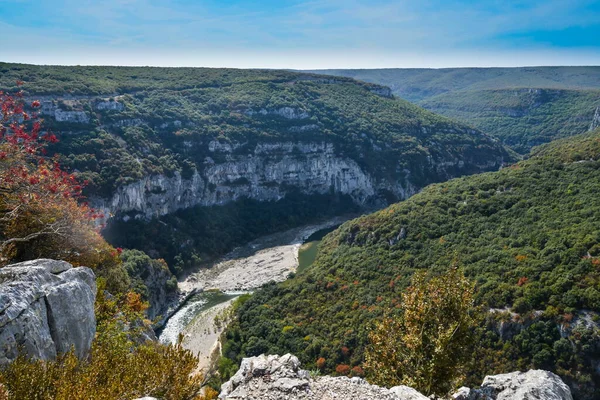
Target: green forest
x=522 y=118
x=526 y=235
x=194 y=236
x=168 y=116
x=524 y=107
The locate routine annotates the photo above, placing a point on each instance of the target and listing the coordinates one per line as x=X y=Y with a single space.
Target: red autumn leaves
x=40 y=209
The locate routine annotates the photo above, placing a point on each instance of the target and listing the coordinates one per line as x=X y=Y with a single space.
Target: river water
x=195 y=306
x=246 y=268
x=308 y=251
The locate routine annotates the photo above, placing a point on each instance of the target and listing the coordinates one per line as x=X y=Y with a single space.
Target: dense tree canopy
x=523 y=107
x=526 y=235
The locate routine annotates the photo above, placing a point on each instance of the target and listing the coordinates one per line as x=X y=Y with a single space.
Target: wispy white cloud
x=310 y=28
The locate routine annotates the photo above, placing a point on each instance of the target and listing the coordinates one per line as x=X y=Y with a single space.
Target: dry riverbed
x=270 y=258
x=201 y=336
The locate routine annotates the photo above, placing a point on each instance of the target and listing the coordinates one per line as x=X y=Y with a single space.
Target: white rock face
x=407 y=393
x=110 y=105
x=46 y=307
x=71 y=116
x=285 y=112
x=267 y=172
x=596 y=120
x=274 y=377
x=533 y=384
x=50 y=108
x=382 y=91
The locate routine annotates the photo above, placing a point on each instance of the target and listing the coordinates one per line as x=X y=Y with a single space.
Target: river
x=270 y=258
x=308 y=251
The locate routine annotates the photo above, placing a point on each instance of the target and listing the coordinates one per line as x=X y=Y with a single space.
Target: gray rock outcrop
x=533 y=384
x=46 y=308
x=274 y=378
x=160 y=298
x=158 y=285
x=264 y=172
x=596 y=120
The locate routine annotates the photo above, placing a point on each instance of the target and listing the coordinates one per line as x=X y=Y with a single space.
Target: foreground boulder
x=275 y=377
x=46 y=308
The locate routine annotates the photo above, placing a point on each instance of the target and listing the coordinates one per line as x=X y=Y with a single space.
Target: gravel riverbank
x=270 y=258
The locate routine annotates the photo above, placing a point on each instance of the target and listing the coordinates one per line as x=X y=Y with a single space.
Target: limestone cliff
x=268 y=171
x=596 y=120
x=265 y=172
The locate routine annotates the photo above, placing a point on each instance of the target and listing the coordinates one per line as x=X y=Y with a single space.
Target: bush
x=342 y=369
x=112 y=371
x=428 y=347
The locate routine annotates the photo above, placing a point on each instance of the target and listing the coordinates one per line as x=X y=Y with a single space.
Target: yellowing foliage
x=116 y=368
x=428 y=347
x=112 y=372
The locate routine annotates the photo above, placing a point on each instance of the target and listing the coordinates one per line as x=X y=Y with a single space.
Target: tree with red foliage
x=29 y=182
x=41 y=213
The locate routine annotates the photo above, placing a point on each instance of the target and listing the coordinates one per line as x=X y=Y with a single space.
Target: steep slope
x=522 y=118
x=523 y=107
x=152 y=141
x=528 y=235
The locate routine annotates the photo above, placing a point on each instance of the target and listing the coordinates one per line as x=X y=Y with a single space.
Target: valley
x=291 y=212
x=272 y=258
x=186 y=164
x=300 y=200
x=523 y=107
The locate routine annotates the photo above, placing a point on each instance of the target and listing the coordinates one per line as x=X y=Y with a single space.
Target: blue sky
x=301 y=34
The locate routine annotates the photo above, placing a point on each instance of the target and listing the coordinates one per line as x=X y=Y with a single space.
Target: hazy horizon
x=305 y=69
x=302 y=34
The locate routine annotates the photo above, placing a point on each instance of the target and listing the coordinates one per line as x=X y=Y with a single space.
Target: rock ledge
x=276 y=378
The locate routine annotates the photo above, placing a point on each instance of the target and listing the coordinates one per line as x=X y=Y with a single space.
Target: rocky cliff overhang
x=268 y=172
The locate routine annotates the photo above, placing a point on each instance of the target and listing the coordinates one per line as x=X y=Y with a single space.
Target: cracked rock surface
x=46 y=307
x=274 y=377
x=280 y=378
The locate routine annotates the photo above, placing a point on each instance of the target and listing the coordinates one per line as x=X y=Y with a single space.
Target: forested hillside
x=151 y=142
x=526 y=235
x=522 y=118
x=524 y=107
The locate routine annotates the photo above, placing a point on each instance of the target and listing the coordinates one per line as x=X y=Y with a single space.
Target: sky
x=301 y=34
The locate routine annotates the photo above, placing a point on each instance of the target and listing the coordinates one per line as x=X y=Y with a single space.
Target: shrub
x=427 y=348
x=112 y=371
x=342 y=369
x=321 y=363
